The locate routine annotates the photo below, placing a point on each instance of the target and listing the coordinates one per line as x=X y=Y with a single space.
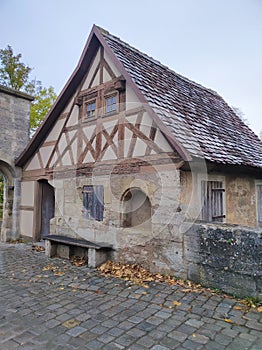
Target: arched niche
x=136 y=209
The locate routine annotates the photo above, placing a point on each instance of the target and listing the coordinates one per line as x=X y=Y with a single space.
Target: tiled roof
x=198 y=117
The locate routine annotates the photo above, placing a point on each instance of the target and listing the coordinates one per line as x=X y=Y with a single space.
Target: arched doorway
x=136 y=209
x=9 y=202
x=47 y=207
x=2 y=184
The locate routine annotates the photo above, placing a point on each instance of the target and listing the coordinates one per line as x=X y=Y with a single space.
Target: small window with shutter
x=93 y=202
x=212 y=201
x=259 y=204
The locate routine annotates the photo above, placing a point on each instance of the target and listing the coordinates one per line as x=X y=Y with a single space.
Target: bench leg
x=96 y=257
x=50 y=249
x=91 y=254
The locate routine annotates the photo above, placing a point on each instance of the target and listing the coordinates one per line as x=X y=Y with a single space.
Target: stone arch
x=9 y=227
x=136 y=209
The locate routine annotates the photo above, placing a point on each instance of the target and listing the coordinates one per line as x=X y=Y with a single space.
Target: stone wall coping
x=232 y=227
x=16 y=93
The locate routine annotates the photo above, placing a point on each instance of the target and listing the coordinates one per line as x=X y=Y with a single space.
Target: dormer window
x=111 y=104
x=91 y=109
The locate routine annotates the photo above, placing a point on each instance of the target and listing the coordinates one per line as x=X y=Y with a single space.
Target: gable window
x=111 y=104
x=259 y=204
x=91 y=109
x=212 y=201
x=93 y=202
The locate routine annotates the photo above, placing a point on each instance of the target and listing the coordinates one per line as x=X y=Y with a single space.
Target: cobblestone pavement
x=51 y=304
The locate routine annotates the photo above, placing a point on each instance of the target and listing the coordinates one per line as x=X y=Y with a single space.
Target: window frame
x=209 y=216
x=108 y=96
x=258 y=183
x=93 y=202
x=87 y=103
x=91 y=103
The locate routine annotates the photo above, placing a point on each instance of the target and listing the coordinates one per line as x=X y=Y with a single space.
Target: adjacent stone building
x=14 y=119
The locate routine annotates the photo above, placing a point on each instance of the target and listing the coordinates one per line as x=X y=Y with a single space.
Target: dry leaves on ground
x=16 y=241
x=138 y=275
x=38 y=248
x=78 y=261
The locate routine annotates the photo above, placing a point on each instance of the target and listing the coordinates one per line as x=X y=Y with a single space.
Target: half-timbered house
x=132 y=153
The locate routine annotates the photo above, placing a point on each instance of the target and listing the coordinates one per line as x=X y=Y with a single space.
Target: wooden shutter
x=212 y=201
x=93 y=201
x=259 y=203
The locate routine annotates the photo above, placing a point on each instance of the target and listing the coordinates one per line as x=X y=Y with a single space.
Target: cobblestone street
x=51 y=304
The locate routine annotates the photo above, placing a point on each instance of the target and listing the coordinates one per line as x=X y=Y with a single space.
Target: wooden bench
x=96 y=253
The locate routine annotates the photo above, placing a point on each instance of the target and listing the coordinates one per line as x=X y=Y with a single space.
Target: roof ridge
x=106 y=33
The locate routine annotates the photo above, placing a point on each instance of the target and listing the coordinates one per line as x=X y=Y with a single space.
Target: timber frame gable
x=69 y=139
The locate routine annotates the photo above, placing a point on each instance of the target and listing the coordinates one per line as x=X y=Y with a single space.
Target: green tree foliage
x=13 y=73
x=44 y=99
x=16 y=75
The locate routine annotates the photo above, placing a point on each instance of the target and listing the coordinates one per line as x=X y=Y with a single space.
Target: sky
x=216 y=43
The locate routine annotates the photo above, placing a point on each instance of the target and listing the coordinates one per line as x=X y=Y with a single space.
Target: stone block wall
x=14 y=119
x=225 y=257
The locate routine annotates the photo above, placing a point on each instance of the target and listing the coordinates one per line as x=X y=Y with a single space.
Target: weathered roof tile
x=198 y=117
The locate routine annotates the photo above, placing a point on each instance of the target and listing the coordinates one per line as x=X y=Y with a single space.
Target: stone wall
x=222 y=256
x=241 y=200
x=225 y=257
x=14 y=119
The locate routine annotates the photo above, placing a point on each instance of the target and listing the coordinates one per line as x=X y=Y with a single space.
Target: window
x=212 y=201
x=93 y=202
x=111 y=104
x=91 y=109
x=259 y=204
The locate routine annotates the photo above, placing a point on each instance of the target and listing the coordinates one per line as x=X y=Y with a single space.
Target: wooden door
x=47 y=207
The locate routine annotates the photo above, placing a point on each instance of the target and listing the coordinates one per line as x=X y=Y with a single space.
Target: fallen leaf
x=237 y=308
x=71 y=323
x=59 y=273
x=176 y=303
x=228 y=320
x=259 y=309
